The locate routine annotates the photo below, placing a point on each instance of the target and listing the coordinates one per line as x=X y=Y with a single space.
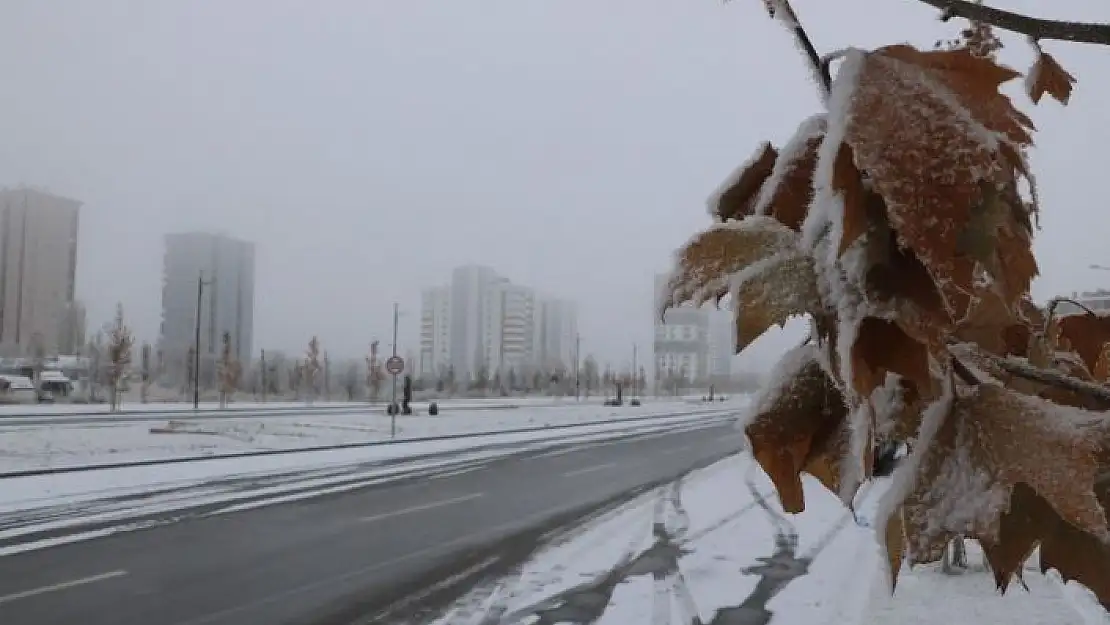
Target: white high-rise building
x=556 y=328
x=682 y=343
x=484 y=324
x=518 y=306
x=227 y=298
x=38 y=266
x=722 y=343
x=475 y=321
x=435 y=331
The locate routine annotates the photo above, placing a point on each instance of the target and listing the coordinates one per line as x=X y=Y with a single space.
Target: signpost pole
x=393 y=370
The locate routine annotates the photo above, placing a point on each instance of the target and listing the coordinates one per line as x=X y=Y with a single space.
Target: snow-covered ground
x=743 y=563
x=94 y=442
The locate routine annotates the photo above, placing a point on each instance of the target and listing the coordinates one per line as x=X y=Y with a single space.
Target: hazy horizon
x=368 y=147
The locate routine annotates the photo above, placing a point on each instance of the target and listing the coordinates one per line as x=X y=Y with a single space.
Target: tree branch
x=1078 y=32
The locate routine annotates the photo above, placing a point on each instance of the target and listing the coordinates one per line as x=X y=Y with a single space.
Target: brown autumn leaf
x=1048 y=76
x=788 y=191
x=848 y=183
x=706 y=263
x=974 y=82
x=992 y=439
x=735 y=199
x=882 y=347
x=1085 y=334
x=769 y=293
x=912 y=136
x=796 y=423
x=1075 y=554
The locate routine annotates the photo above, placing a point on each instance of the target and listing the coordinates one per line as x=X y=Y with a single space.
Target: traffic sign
x=395 y=365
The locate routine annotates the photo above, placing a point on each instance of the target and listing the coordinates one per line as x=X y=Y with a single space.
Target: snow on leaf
x=993 y=439
x=930 y=129
x=1047 y=76
x=706 y=262
x=788 y=191
x=796 y=425
x=770 y=292
x=735 y=198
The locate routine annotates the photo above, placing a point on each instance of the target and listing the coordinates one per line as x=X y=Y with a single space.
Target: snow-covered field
x=730 y=560
x=45 y=446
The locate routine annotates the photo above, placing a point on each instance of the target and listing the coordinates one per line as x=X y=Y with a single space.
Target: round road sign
x=395 y=364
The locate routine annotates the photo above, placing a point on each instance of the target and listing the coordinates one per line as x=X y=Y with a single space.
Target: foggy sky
x=368 y=146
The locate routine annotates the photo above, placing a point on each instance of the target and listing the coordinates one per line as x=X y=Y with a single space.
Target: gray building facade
x=227 y=298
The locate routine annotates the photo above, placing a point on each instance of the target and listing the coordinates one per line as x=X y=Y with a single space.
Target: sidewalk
x=716 y=550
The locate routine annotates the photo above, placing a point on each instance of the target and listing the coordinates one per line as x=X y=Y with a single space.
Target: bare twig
x=964 y=373
x=783 y=12
x=1052 y=378
x=1036 y=28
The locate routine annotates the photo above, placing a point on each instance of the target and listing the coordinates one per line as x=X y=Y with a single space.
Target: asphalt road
x=294 y=562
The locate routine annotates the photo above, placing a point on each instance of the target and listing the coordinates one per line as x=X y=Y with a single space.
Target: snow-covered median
x=729 y=556
x=46 y=446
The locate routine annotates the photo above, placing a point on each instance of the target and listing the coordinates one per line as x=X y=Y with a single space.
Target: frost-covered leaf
x=797 y=425
x=993 y=439
x=770 y=292
x=848 y=183
x=1085 y=334
x=788 y=191
x=1047 y=76
x=735 y=198
x=931 y=131
x=882 y=347
x=708 y=261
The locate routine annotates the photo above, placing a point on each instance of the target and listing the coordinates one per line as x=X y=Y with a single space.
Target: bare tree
x=350 y=381
x=145 y=372
x=312 y=369
x=120 y=341
x=230 y=371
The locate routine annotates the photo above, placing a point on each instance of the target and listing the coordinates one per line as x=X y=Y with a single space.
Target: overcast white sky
x=368 y=146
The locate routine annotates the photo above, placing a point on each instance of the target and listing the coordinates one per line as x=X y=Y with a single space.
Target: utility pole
x=577 y=366
x=394 y=408
x=196 y=341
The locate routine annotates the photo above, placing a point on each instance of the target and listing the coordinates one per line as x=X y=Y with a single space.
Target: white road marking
x=420 y=508
x=62 y=586
x=596 y=467
x=569 y=450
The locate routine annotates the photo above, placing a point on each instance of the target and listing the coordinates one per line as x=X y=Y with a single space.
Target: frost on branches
x=900 y=222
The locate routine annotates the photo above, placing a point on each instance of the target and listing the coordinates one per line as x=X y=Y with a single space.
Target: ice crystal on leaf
x=900 y=221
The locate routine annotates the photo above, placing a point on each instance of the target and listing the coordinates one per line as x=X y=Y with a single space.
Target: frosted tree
x=590 y=377
x=351 y=381
x=312 y=369
x=95 y=351
x=374 y=374
x=230 y=370
x=120 y=342
x=899 y=221
x=144 y=372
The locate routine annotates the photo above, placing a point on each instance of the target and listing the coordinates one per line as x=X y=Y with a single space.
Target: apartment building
x=681 y=343
x=518 y=315
x=227 y=297
x=38 y=269
x=435 y=331
x=481 y=323
x=556 y=328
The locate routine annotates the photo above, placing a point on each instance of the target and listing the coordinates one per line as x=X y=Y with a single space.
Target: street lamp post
x=201 y=283
x=577 y=366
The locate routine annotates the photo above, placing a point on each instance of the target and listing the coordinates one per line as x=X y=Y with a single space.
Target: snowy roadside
x=726 y=560
x=46 y=446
